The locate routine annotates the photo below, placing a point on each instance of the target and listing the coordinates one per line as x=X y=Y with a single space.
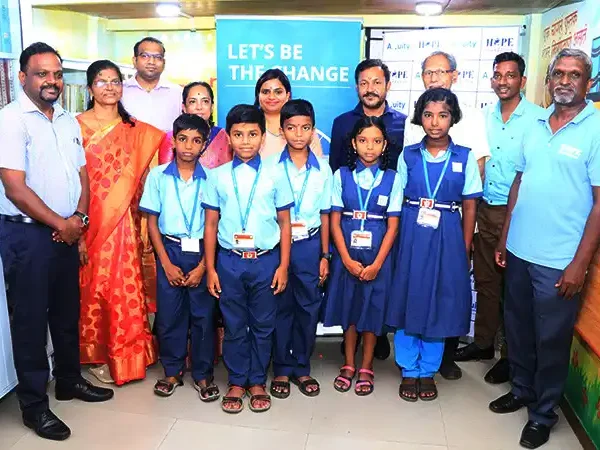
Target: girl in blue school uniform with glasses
x=366 y=203
x=431 y=299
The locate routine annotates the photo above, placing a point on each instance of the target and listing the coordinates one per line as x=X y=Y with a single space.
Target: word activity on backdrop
x=473 y=48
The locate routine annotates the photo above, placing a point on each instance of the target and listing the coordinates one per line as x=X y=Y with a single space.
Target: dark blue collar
x=451 y=145
x=312 y=160
x=360 y=167
x=174 y=171
x=361 y=112
x=254 y=162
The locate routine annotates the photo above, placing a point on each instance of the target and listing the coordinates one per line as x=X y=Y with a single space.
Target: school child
x=365 y=209
x=431 y=298
x=247 y=207
x=298 y=308
x=172 y=197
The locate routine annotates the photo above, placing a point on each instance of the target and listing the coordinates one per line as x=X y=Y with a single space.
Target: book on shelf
x=7 y=82
x=74 y=98
x=5 y=37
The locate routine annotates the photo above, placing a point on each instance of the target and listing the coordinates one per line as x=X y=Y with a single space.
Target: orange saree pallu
x=114 y=316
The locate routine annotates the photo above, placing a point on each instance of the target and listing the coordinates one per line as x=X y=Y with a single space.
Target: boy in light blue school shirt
x=247 y=207
x=172 y=197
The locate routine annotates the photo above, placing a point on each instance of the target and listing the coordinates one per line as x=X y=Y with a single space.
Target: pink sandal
x=360 y=383
x=347 y=381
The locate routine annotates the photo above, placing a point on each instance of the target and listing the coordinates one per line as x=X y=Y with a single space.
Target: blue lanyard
x=297 y=201
x=426 y=174
x=188 y=223
x=244 y=217
x=364 y=205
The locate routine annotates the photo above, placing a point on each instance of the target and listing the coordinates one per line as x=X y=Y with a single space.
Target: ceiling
x=309 y=7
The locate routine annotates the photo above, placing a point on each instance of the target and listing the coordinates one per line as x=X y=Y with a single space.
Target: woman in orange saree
x=115 y=333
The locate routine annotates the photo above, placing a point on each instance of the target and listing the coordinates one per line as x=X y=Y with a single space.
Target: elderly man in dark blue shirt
x=372 y=84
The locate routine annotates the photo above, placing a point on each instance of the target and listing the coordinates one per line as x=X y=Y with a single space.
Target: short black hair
x=511 y=56
x=191 y=122
x=37 y=48
x=359 y=126
x=370 y=63
x=136 y=47
x=245 y=114
x=204 y=84
x=298 y=107
x=272 y=74
x=92 y=72
x=437 y=95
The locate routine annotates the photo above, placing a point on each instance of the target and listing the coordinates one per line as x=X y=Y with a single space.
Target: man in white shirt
x=439 y=70
x=146 y=96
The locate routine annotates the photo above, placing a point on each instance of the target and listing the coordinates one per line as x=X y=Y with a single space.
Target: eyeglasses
x=155 y=56
x=499 y=76
x=438 y=72
x=102 y=84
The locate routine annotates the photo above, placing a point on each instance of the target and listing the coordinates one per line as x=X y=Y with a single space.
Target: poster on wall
x=318 y=56
x=473 y=48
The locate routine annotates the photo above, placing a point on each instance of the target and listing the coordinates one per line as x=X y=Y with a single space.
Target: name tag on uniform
x=361 y=239
x=429 y=218
x=299 y=231
x=359 y=215
x=243 y=241
x=190 y=245
x=570 y=151
x=457 y=167
x=249 y=255
x=428 y=203
x=382 y=200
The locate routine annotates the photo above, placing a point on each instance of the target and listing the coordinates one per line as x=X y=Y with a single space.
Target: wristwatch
x=84 y=218
x=326 y=256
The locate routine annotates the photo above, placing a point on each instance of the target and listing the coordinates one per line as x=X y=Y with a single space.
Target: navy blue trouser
x=249 y=308
x=298 y=311
x=182 y=312
x=42 y=277
x=539 y=331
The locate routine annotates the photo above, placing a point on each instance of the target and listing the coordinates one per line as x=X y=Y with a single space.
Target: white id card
x=299 y=231
x=190 y=245
x=361 y=239
x=429 y=218
x=243 y=241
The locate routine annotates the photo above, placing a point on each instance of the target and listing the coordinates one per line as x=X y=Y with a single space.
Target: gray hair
x=451 y=59
x=572 y=53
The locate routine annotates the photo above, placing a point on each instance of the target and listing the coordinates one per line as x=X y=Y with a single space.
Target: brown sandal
x=230 y=399
x=165 y=388
x=258 y=398
x=209 y=392
x=427 y=386
x=409 y=389
x=347 y=381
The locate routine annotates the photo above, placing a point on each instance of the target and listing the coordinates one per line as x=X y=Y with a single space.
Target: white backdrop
x=473 y=48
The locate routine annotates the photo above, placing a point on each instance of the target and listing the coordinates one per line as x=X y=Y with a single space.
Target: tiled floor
x=137 y=419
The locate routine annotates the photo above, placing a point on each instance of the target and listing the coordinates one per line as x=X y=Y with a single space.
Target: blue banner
x=318 y=56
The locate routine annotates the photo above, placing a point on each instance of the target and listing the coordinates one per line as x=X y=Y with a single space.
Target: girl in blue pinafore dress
x=431 y=298
x=366 y=202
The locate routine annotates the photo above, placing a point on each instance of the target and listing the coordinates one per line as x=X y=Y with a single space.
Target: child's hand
x=370 y=272
x=323 y=271
x=194 y=278
x=354 y=267
x=280 y=280
x=174 y=275
x=213 y=283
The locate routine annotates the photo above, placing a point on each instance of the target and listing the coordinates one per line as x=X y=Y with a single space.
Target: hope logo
x=429 y=44
x=496 y=42
x=399 y=74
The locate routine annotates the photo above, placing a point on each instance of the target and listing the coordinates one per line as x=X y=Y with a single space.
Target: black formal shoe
x=82 y=390
x=47 y=425
x=382 y=347
x=499 y=373
x=450 y=370
x=534 y=435
x=508 y=403
x=473 y=353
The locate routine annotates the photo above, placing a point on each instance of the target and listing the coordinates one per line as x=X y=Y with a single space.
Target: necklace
x=101 y=125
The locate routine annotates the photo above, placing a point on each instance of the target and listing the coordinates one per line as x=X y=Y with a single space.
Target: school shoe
x=382 y=347
x=82 y=390
x=473 y=353
x=508 y=403
x=500 y=373
x=46 y=425
x=534 y=435
x=450 y=370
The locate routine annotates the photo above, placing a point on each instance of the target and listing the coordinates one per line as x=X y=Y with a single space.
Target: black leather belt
x=19 y=219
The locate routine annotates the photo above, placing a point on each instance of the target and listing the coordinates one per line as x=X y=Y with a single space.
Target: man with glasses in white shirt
x=146 y=96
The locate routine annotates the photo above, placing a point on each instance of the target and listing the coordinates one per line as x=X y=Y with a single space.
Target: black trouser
x=42 y=277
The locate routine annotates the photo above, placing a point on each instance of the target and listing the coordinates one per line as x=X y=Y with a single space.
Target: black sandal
x=284 y=387
x=208 y=393
x=258 y=398
x=164 y=388
x=409 y=385
x=427 y=386
x=233 y=400
x=303 y=385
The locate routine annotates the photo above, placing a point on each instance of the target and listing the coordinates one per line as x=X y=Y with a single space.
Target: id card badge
x=429 y=218
x=361 y=239
x=359 y=215
x=190 y=245
x=299 y=231
x=243 y=241
x=428 y=203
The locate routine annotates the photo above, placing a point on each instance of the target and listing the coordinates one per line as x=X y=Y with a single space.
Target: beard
x=375 y=102
x=46 y=94
x=563 y=98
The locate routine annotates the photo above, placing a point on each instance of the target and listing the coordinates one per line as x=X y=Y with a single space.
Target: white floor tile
x=320 y=442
